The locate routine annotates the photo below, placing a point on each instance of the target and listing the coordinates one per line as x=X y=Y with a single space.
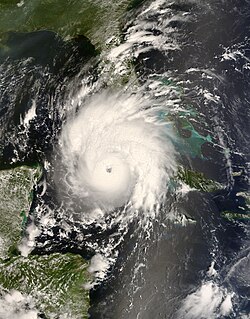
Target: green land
x=198 y=181
x=55 y=282
x=67 y=18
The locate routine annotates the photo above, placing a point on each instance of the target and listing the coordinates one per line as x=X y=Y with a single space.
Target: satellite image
x=124 y=159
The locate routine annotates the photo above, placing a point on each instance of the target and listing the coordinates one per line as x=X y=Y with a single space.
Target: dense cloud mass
x=117 y=152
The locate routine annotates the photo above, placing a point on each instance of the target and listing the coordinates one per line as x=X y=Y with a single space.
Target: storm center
x=109 y=169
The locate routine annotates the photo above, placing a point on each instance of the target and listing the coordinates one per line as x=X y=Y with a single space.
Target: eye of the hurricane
x=111 y=176
x=109 y=169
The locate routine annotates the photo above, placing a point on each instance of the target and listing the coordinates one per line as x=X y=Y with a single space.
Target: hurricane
x=117 y=151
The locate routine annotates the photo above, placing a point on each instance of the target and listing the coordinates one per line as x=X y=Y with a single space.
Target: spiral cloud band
x=116 y=152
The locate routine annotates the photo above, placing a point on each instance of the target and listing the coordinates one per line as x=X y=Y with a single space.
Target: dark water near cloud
x=173 y=262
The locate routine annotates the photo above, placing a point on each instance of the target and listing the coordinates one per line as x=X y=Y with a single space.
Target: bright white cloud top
x=117 y=152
